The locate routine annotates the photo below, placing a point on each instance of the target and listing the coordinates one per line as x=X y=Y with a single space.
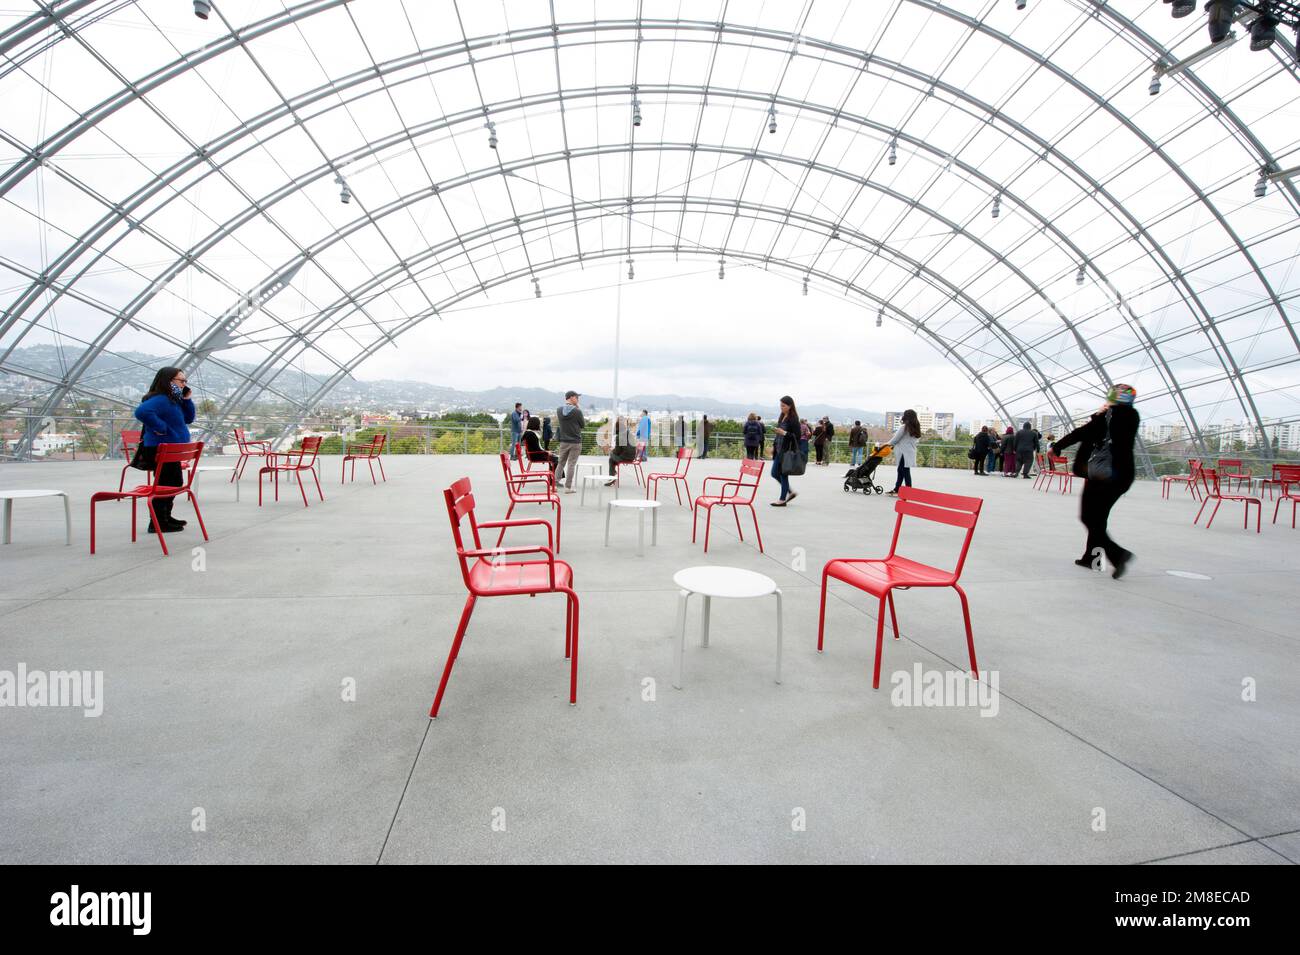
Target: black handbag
x=1101 y=465
x=793 y=461
x=144 y=457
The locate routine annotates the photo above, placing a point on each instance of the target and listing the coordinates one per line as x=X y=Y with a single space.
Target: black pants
x=1094 y=510
x=1026 y=459
x=979 y=462
x=821 y=452
x=170 y=475
x=751 y=453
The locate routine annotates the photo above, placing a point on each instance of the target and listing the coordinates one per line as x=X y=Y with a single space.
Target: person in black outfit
x=547 y=433
x=981 y=449
x=534 y=446
x=1026 y=445
x=1119 y=421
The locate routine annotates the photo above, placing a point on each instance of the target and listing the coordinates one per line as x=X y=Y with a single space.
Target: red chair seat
x=877 y=576
x=526 y=576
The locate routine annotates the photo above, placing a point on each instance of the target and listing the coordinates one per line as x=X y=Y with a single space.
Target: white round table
x=640 y=506
x=597 y=481
x=11 y=496
x=710 y=582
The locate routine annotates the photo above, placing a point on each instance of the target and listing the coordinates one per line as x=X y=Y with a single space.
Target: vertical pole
x=618 y=326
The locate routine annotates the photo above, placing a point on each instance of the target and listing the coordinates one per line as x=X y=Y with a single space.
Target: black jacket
x=1026 y=441
x=982 y=443
x=533 y=447
x=1124 y=421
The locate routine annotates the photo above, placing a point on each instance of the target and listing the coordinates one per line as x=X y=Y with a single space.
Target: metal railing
x=96 y=437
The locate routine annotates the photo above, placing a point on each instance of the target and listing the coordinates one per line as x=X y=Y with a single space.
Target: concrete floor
x=223 y=688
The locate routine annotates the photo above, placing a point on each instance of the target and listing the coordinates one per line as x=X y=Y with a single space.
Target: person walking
x=516 y=428
x=857 y=441
x=1007 y=452
x=547 y=433
x=787 y=438
x=569 y=418
x=981 y=449
x=706 y=429
x=904 y=442
x=643 y=435
x=1026 y=445
x=166 y=412
x=753 y=436
x=1110 y=433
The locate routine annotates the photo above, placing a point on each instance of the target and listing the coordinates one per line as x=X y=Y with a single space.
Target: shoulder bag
x=793 y=462
x=1101 y=466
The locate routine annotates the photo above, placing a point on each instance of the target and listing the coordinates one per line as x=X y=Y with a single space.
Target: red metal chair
x=751 y=473
x=1275 y=481
x=187 y=456
x=490 y=575
x=517 y=491
x=635 y=465
x=1234 y=469
x=247 y=449
x=130 y=442
x=292 y=462
x=677 y=475
x=526 y=463
x=1212 y=492
x=1040 y=480
x=1058 y=468
x=1189 y=479
x=368 y=453
x=881 y=578
x=1288 y=477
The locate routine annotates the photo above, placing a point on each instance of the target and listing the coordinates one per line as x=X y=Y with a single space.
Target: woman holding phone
x=787 y=439
x=166 y=413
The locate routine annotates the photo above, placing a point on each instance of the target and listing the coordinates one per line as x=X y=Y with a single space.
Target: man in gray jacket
x=569 y=433
x=1026 y=445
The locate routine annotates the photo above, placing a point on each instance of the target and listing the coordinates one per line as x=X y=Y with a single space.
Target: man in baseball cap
x=569 y=433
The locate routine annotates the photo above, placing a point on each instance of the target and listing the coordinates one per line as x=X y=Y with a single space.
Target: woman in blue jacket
x=166 y=413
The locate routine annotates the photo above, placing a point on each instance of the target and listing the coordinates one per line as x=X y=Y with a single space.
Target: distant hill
x=126 y=376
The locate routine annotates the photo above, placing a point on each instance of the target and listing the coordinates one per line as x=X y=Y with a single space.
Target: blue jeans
x=904 y=475
x=780 y=476
x=992 y=462
x=856 y=457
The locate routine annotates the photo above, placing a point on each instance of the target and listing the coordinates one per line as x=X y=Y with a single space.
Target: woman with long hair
x=787 y=439
x=904 y=442
x=534 y=448
x=166 y=412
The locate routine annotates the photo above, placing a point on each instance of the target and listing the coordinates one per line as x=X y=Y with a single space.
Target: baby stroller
x=860 y=478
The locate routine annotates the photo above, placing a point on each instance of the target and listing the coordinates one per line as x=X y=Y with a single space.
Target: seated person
x=533 y=449
x=624 y=449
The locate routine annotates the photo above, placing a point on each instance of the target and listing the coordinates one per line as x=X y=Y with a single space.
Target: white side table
x=640 y=506
x=598 y=482
x=11 y=496
x=216 y=467
x=710 y=582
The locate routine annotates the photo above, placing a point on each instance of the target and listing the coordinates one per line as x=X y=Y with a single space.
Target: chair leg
x=92 y=523
x=1197 y=518
x=260 y=472
x=301 y=490
x=371 y=464
x=970 y=638
x=380 y=462
x=451 y=657
x=880 y=641
x=1275 y=507
x=157 y=525
x=573 y=659
x=735 y=512
x=194 y=502
x=708 y=524
x=893 y=617
x=559 y=516
x=1217 y=501
x=568 y=626
x=695 y=520
x=343 y=475
x=316 y=478
x=821 y=616
x=754 y=514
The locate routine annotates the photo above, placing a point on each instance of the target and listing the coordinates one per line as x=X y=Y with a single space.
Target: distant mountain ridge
x=127 y=375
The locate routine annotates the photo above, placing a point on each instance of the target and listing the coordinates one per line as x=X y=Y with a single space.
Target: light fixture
x=997 y=205
x=1080 y=276
x=636 y=112
x=345 y=194
x=880 y=317
x=805 y=285
x=1261 y=186
x=893 y=151
x=491 y=127
x=1182 y=8
x=1154 y=88
x=631 y=274
x=202 y=8
x=722 y=266
x=1263 y=31
x=537 y=288
x=1020 y=4
x=1222 y=13
x=771 y=118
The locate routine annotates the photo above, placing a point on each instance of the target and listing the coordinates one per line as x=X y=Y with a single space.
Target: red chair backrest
x=512 y=489
x=951 y=509
x=307 y=453
x=1209 y=481
x=751 y=475
x=240 y=439
x=377 y=444
x=1055 y=459
x=460 y=504
x=130 y=441
x=1287 y=474
x=684 y=454
x=186 y=455
x=1230 y=466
